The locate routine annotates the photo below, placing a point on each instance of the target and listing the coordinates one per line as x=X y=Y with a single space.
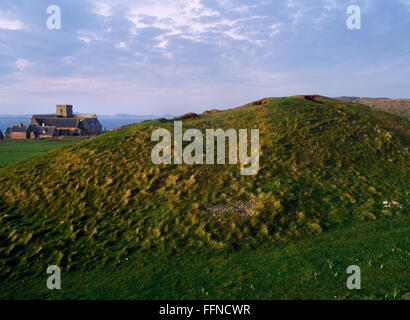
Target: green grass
x=12 y=151
x=313 y=269
x=324 y=165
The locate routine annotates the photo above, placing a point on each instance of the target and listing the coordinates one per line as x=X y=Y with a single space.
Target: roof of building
x=59 y=122
x=92 y=122
x=19 y=128
x=85 y=116
x=75 y=116
x=45 y=130
x=44 y=116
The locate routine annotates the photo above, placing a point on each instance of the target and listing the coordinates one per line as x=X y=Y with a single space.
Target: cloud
x=85 y=39
x=276 y=27
x=330 y=4
x=10 y=24
x=232 y=5
x=121 y=45
x=87 y=36
x=103 y=9
x=23 y=64
x=187 y=19
x=298 y=10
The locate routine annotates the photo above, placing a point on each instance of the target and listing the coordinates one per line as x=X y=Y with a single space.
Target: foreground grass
x=314 y=268
x=12 y=151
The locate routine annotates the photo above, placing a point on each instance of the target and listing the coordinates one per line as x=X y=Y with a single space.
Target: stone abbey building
x=63 y=123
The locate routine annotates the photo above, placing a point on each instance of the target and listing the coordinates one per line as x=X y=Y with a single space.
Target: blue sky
x=163 y=56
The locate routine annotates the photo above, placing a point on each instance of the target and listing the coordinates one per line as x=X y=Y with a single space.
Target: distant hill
x=324 y=163
x=132 y=115
x=136 y=116
x=396 y=106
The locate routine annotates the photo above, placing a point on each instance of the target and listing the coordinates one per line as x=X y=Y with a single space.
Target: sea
x=107 y=122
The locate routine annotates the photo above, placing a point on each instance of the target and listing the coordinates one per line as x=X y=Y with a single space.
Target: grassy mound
x=323 y=163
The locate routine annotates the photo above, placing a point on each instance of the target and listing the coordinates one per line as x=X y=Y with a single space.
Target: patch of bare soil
x=313 y=99
x=212 y=112
x=188 y=116
x=241 y=208
x=261 y=102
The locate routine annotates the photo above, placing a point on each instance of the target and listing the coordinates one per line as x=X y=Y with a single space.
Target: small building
x=1 y=135
x=18 y=132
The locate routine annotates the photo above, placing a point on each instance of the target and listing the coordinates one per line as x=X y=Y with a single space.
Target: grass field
x=12 y=151
x=313 y=268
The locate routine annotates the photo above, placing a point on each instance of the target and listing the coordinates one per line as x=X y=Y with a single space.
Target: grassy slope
x=95 y=203
x=314 y=268
x=12 y=151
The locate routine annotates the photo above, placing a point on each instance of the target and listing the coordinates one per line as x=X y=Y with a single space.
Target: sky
x=172 y=57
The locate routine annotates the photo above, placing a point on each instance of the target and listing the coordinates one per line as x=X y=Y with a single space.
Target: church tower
x=65 y=110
